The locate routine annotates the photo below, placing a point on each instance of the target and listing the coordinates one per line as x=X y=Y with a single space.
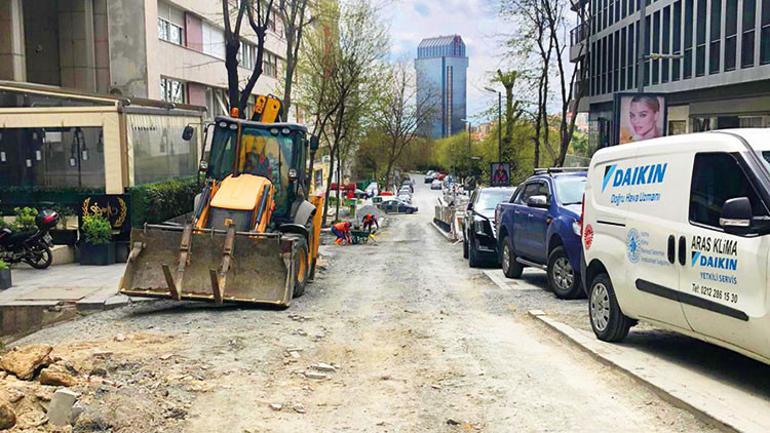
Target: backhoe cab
x=253 y=234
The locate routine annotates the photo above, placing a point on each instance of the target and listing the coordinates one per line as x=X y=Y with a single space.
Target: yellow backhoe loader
x=253 y=235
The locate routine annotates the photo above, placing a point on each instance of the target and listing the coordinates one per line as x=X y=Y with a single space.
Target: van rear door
x=725 y=275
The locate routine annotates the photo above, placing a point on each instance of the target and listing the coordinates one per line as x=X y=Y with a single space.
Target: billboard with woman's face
x=640 y=116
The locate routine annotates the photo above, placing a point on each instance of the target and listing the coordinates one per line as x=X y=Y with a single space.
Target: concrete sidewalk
x=40 y=297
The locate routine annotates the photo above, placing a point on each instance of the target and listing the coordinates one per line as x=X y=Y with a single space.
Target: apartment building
x=709 y=59
x=162 y=50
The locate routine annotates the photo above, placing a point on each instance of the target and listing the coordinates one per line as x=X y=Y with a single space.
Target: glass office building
x=441 y=78
x=710 y=58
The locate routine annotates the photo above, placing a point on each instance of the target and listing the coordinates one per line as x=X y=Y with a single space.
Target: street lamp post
x=468 y=122
x=499 y=122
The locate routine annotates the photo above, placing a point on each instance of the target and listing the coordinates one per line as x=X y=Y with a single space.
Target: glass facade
x=441 y=66
x=680 y=40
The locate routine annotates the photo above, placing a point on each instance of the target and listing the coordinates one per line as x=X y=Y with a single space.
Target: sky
x=475 y=20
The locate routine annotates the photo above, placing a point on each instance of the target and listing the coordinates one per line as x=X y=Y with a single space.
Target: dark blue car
x=539 y=228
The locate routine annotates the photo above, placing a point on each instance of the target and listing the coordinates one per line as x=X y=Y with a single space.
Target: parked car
x=436 y=184
x=479 y=238
x=394 y=205
x=372 y=190
x=676 y=233
x=429 y=176
x=539 y=228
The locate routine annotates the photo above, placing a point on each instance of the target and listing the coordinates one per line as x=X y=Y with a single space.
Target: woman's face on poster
x=643 y=119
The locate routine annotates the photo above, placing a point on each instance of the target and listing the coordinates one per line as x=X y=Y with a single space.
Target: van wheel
x=561 y=276
x=300 y=268
x=511 y=268
x=607 y=321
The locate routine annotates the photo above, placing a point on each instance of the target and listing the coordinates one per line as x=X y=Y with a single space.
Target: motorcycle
x=30 y=246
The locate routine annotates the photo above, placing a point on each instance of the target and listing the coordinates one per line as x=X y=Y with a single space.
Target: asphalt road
x=420 y=342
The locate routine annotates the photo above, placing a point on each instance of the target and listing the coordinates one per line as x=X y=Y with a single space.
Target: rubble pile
x=114 y=385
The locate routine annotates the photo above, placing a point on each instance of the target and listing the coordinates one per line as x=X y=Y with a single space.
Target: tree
x=295 y=16
x=401 y=113
x=345 y=62
x=258 y=16
x=545 y=24
x=513 y=112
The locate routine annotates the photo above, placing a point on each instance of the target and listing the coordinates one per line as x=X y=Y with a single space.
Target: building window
x=247 y=55
x=170 y=32
x=715 y=36
x=631 y=57
x=647 y=47
x=688 y=17
x=270 y=64
x=170 y=24
x=676 y=127
x=213 y=41
x=677 y=42
x=656 y=47
x=616 y=62
x=751 y=122
x=666 y=43
x=764 y=44
x=731 y=31
x=747 y=37
x=623 y=58
x=172 y=91
x=700 y=39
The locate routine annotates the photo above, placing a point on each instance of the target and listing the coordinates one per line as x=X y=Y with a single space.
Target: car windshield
x=490 y=198
x=569 y=190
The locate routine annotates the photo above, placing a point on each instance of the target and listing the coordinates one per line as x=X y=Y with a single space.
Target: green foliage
x=3 y=265
x=25 y=218
x=96 y=229
x=154 y=203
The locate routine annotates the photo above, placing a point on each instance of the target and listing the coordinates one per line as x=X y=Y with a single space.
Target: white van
x=676 y=232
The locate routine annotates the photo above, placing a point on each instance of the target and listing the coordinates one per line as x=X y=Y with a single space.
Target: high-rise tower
x=441 y=76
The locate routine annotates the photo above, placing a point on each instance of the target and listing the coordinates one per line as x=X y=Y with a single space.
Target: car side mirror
x=538 y=201
x=736 y=215
x=313 y=143
x=188 y=132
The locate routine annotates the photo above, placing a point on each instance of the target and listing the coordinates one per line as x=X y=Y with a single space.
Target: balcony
x=577 y=38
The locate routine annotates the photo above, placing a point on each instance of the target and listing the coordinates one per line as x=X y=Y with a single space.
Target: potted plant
x=5 y=275
x=96 y=246
x=66 y=232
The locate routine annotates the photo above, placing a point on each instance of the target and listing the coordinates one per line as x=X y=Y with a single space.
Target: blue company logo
x=632 y=245
x=705 y=261
x=637 y=175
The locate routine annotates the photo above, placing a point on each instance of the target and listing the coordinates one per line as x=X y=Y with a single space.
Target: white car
x=436 y=184
x=676 y=232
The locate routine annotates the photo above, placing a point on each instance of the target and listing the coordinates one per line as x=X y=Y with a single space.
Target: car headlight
x=480 y=226
x=576 y=228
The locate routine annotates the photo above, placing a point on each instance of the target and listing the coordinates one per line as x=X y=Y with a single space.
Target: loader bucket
x=209 y=265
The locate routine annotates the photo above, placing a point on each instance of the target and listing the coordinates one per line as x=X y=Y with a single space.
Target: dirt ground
x=408 y=337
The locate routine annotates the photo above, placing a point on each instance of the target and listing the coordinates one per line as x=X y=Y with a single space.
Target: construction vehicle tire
x=301 y=267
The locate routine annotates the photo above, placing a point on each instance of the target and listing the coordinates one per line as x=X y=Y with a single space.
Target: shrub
x=25 y=218
x=3 y=265
x=96 y=229
x=155 y=203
